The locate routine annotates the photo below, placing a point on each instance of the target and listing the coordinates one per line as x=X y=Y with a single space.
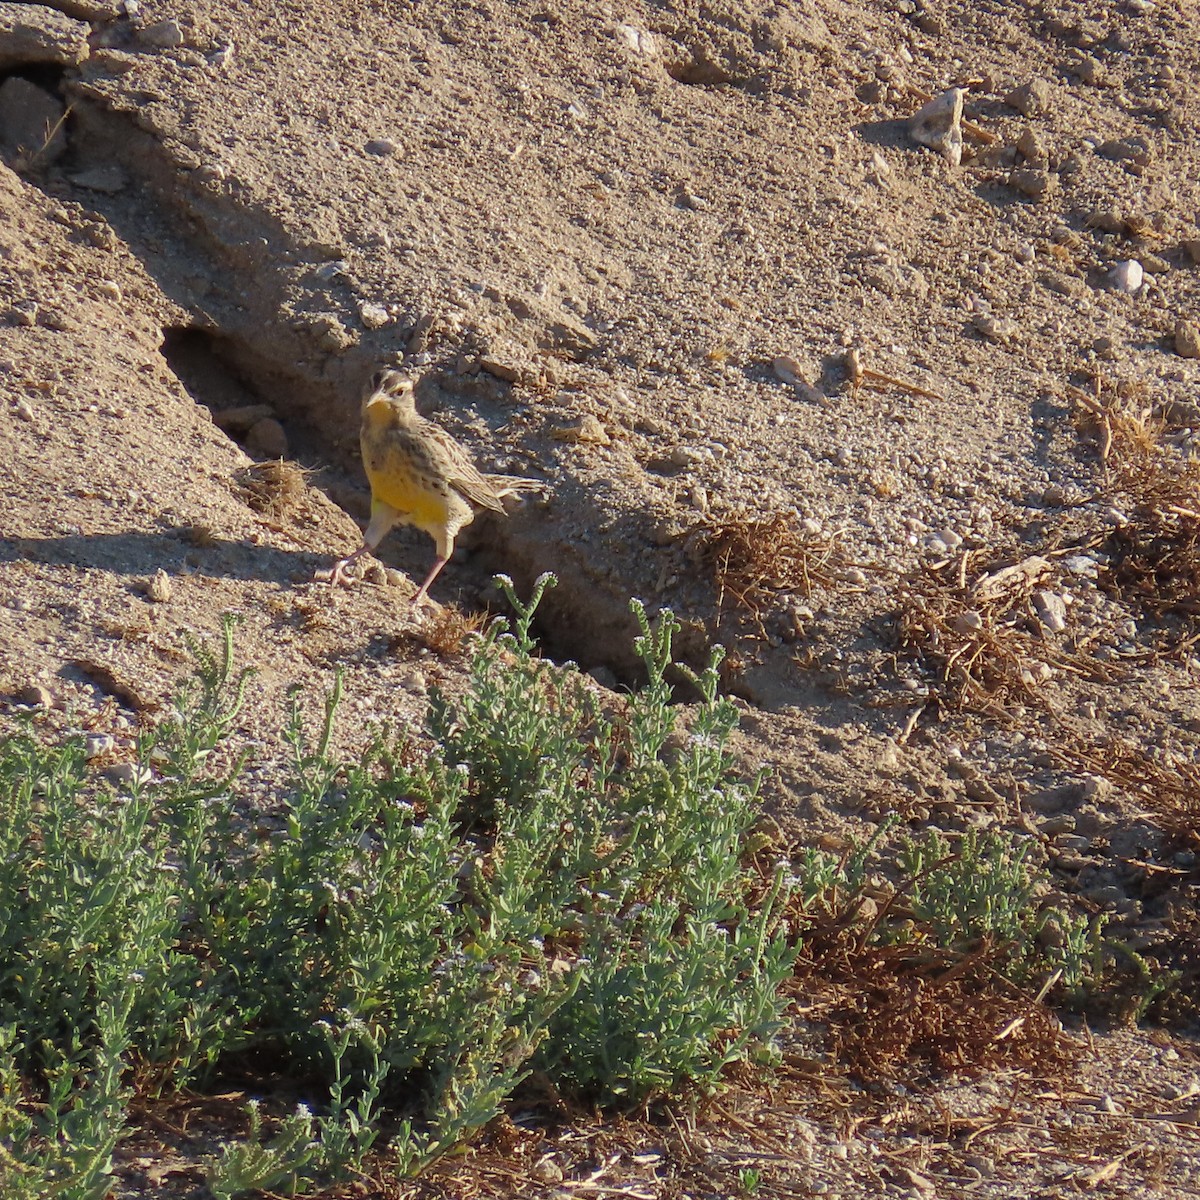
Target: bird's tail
x=512 y=485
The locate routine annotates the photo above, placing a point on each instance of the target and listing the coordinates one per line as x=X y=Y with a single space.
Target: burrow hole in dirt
x=34 y=119
x=264 y=409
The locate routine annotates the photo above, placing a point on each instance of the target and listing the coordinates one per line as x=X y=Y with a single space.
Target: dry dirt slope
x=599 y=229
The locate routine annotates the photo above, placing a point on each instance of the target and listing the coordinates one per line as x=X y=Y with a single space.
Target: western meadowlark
x=419 y=475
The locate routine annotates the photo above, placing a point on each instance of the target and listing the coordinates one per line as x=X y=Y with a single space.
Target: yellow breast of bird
x=402 y=472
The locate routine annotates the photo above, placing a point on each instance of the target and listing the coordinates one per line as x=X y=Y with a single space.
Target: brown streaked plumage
x=419 y=475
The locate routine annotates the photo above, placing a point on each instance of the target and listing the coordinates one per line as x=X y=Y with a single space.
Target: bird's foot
x=337 y=575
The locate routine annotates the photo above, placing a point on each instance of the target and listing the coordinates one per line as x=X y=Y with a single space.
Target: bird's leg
x=423 y=592
x=383 y=517
x=445 y=548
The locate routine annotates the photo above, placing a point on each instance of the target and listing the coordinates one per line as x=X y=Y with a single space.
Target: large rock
x=32 y=35
x=939 y=125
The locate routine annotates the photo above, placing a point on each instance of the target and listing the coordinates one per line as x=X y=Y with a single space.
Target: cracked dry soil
x=629 y=247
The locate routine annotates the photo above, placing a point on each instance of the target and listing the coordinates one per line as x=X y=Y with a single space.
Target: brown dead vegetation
x=1155 y=489
x=754 y=559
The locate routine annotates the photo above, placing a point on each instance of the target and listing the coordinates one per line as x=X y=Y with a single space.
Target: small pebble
x=1031 y=98
x=158 y=588
x=1187 y=339
x=381 y=147
x=1126 y=276
x=96 y=744
x=24 y=409
x=165 y=35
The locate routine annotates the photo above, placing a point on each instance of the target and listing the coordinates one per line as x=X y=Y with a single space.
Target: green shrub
x=546 y=886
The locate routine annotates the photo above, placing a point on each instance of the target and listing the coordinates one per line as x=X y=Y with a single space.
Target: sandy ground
x=685 y=263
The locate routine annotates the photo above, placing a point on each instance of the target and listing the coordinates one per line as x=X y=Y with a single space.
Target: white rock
x=96 y=744
x=938 y=125
x=158 y=587
x=373 y=316
x=1126 y=276
x=1051 y=609
x=166 y=35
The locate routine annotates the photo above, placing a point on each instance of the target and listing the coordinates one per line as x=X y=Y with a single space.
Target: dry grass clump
x=976 y=628
x=274 y=489
x=905 y=1012
x=447 y=631
x=754 y=558
x=1155 y=551
x=1168 y=789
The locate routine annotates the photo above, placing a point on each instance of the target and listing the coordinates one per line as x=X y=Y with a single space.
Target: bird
x=419 y=475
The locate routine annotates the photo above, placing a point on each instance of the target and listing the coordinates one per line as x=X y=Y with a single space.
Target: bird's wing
x=455 y=465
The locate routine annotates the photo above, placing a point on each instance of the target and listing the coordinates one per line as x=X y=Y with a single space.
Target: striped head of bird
x=391 y=385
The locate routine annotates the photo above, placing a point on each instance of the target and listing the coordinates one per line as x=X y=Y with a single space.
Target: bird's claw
x=337 y=575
